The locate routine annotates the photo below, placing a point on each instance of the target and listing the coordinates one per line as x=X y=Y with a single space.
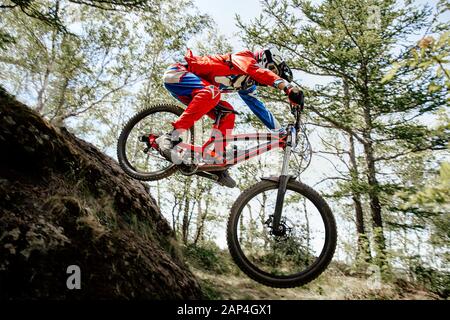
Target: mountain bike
x=280 y=231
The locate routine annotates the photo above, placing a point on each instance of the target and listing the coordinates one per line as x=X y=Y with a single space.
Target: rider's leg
x=199 y=96
x=225 y=127
x=203 y=100
x=196 y=93
x=226 y=124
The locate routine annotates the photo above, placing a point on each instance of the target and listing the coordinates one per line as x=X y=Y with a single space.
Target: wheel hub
x=283 y=232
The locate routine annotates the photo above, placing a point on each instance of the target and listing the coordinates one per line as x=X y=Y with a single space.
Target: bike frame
x=273 y=141
x=220 y=161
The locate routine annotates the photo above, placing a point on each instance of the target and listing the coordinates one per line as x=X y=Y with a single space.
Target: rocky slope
x=62 y=203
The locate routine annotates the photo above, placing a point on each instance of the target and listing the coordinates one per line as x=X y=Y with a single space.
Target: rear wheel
x=135 y=157
x=293 y=257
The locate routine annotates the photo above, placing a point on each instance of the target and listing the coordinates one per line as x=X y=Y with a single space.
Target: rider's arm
x=281 y=84
x=245 y=62
x=258 y=108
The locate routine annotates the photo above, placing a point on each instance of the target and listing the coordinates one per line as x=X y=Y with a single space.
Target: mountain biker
x=199 y=82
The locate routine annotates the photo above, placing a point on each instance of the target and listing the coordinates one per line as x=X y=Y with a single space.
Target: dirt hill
x=62 y=203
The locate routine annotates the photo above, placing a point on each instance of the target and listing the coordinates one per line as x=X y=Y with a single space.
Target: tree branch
x=330 y=178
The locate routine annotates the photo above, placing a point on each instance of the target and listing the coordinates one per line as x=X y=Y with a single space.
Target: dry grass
x=329 y=286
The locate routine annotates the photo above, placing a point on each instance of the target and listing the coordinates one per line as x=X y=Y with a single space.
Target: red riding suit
x=200 y=81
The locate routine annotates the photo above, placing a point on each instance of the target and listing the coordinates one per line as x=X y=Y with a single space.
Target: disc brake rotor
x=284 y=230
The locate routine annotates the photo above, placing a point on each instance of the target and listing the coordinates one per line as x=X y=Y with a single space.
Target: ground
x=330 y=286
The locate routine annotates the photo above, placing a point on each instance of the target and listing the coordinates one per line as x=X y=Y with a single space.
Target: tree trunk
x=375 y=206
x=174 y=218
x=199 y=221
x=363 y=251
x=374 y=186
x=187 y=202
x=58 y=118
x=201 y=218
x=48 y=70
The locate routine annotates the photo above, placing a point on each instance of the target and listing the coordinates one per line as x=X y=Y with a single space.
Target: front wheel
x=297 y=255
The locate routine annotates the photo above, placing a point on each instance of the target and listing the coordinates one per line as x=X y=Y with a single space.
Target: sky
x=223 y=13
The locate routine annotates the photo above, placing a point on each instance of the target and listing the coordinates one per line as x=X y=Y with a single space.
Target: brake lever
x=293 y=108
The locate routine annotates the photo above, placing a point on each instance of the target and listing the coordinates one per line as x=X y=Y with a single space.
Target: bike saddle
x=224 y=110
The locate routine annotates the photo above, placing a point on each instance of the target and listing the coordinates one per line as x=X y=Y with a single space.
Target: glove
x=295 y=95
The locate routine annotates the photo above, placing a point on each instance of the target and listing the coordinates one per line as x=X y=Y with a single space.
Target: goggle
x=272 y=67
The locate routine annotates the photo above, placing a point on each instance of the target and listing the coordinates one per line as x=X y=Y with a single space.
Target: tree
x=92 y=80
x=430 y=53
x=39 y=9
x=431 y=202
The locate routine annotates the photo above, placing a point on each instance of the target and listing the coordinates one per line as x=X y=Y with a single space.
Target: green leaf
x=391 y=73
x=445 y=173
x=433 y=87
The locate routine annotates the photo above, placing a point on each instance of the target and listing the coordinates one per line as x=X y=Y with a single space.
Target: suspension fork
x=283 y=180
